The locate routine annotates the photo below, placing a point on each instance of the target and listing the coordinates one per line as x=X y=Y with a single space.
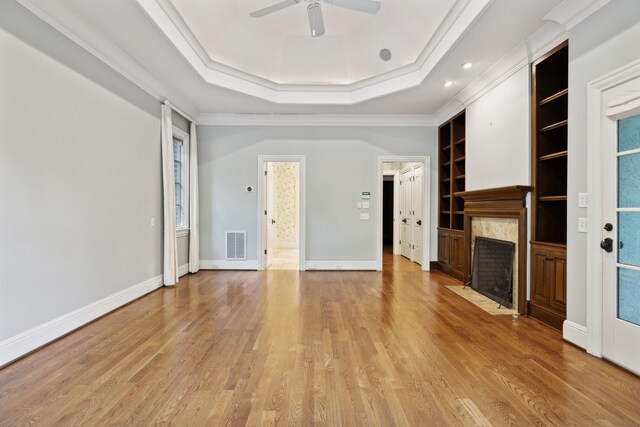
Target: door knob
x=404 y=220
x=608 y=226
x=419 y=222
x=273 y=221
x=607 y=244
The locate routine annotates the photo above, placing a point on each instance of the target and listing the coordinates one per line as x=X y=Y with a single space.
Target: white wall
x=341 y=164
x=498 y=135
x=599 y=45
x=79 y=177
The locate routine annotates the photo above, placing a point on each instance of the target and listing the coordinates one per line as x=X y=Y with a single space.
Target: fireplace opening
x=492 y=270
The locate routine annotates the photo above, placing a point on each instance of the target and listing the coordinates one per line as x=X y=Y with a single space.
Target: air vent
x=236 y=245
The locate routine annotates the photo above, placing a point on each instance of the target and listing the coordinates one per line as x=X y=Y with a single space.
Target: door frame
x=598 y=128
x=426 y=209
x=396 y=208
x=262 y=199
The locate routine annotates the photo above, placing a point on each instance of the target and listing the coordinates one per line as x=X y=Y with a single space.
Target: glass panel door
x=628 y=215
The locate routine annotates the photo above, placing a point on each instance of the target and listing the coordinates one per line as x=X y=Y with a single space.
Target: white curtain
x=194 y=218
x=170 y=259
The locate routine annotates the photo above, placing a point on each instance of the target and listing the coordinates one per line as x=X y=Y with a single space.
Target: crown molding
x=570 y=13
x=543 y=40
x=65 y=21
x=460 y=18
x=319 y=120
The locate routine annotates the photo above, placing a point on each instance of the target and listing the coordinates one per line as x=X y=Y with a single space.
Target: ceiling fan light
x=315 y=19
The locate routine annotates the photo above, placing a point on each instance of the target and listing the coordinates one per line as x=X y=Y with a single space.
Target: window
x=181 y=175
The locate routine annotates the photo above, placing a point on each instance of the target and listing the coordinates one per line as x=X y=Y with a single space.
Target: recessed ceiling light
x=448 y=83
x=467 y=65
x=385 y=54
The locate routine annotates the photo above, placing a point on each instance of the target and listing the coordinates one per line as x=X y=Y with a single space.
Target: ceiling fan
x=314 y=10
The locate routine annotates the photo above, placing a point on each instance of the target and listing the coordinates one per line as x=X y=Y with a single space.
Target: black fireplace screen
x=492 y=273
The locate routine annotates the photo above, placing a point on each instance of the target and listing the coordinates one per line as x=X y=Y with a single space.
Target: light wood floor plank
x=282 y=347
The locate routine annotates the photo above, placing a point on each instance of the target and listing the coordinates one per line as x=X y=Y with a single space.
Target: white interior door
x=417 y=190
x=270 y=217
x=405 y=215
x=621 y=238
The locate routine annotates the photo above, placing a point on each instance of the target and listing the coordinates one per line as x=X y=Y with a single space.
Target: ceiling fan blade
x=274 y=8
x=366 y=6
x=316 y=22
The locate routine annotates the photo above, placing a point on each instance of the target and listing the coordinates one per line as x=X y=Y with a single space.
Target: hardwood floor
x=314 y=348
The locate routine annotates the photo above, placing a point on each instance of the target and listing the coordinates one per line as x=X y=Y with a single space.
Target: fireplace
x=499 y=214
x=492 y=271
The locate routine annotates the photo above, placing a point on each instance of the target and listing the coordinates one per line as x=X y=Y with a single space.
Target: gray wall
x=79 y=176
x=601 y=44
x=341 y=163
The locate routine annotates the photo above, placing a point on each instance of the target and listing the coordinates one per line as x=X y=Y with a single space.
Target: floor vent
x=236 y=245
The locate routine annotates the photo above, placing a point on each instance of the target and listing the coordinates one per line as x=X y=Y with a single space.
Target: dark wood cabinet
x=451 y=252
x=548 y=283
x=451 y=168
x=549 y=197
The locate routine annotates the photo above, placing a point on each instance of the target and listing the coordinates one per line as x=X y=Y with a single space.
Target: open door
x=405 y=214
x=417 y=191
x=270 y=214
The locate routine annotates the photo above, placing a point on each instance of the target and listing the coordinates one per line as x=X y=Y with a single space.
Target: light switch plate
x=153 y=221
x=583 y=226
x=364 y=216
x=359 y=205
x=365 y=205
x=583 y=200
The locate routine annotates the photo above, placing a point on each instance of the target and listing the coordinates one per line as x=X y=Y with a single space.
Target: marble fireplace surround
x=499 y=213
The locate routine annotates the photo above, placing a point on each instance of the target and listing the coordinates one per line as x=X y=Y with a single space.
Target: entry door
x=621 y=244
x=405 y=207
x=270 y=217
x=416 y=210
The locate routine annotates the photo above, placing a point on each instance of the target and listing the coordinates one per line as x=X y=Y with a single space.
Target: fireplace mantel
x=500 y=202
x=514 y=192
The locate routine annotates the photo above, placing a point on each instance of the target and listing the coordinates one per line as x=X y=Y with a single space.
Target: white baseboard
x=183 y=269
x=341 y=265
x=574 y=333
x=228 y=265
x=21 y=344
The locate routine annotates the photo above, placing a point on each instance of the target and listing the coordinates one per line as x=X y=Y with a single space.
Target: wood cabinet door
x=558 y=297
x=443 y=248
x=540 y=275
x=457 y=252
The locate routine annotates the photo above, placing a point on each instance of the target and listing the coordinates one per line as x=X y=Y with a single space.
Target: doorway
x=281 y=214
x=403 y=209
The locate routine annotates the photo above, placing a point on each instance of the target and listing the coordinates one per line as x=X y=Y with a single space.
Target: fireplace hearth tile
x=479 y=300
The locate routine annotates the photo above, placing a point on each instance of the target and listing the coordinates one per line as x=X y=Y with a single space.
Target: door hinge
x=265 y=173
x=265 y=212
x=265 y=251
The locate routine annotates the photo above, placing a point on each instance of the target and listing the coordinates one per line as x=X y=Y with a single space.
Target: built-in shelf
x=451 y=249
x=549 y=165
x=552 y=156
x=563 y=92
x=552 y=198
x=554 y=126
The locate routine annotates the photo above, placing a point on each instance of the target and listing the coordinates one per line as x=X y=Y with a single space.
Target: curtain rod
x=179 y=111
